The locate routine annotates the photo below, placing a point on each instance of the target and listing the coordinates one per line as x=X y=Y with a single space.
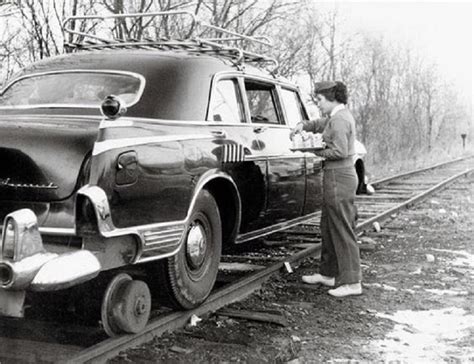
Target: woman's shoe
x=354 y=289
x=318 y=278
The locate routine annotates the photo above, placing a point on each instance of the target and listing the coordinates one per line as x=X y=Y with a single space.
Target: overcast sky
x=441 y=32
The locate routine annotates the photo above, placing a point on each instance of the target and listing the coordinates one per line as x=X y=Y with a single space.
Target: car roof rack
x=224 y=42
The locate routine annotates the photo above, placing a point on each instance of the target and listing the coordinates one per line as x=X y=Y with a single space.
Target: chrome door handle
x=259 y=129
x=219 y=133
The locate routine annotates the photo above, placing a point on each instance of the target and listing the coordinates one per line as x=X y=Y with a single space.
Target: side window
x=225 y=104
x=293 y=107
x=262 y=104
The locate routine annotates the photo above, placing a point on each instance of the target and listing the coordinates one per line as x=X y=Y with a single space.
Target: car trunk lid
x=41 y=156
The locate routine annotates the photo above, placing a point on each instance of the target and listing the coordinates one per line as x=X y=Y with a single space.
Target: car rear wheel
x=187 y=278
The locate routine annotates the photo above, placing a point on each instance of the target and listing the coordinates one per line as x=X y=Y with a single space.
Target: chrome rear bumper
x=26 y=265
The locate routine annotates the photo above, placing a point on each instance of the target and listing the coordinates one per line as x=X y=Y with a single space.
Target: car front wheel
x=187 y=277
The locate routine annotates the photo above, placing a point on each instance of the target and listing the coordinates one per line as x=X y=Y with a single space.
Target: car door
x=295 y=113
x=285 y=169
x=239 y=149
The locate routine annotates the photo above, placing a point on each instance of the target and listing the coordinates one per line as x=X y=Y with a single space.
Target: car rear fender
x=225 y=192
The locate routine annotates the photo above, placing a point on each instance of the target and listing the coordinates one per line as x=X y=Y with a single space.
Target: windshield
x=72 y=89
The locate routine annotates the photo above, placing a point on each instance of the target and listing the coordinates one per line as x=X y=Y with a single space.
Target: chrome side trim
x=117 y=123
x=207 y=177
x=101 y=147
x=164 y=239
x=273 y=156
x=60 y=117
x=57 y=231
x=158 y=240
x=274 y=228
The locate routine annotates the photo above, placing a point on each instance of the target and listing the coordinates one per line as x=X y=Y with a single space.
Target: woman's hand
x=297 y=129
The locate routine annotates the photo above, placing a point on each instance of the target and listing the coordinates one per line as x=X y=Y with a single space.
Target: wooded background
x=405 y=112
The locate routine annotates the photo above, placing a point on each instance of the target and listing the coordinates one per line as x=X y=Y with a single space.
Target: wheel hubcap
x=196 y=245
x=140 y=306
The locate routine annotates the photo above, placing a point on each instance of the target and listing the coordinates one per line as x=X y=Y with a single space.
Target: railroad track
x=45 y=340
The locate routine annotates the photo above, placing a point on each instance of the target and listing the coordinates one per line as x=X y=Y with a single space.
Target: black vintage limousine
x=158 y=158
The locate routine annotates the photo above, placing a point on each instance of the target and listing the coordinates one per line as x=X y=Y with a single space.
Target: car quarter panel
x=148 y=168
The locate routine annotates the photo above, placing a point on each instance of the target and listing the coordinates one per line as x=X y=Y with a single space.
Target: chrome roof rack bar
x=227 y=45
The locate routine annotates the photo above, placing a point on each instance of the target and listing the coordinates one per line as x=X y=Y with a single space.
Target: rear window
x=72 y=89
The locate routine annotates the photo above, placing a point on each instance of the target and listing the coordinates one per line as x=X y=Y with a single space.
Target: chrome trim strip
x=257 y=157
x=74 y=106
x=173 y=239
x=205 y=178
x=165 y=237
x=52 y=117
x=107 y=228
x=170 y=230
x=57 y=231
x=158 y=236
x=148 y=232
x=101 y=147
x=155 y=257
x=136 y=119
x=117 y=123
x=274 y=228
x=164 y=246
x=260 y=76
x=285 y=156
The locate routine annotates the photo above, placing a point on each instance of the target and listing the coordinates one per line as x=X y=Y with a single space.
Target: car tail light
x=86 y=219
x=21 y=237
x=8 y=240
x=113 y=107
x=6 y=274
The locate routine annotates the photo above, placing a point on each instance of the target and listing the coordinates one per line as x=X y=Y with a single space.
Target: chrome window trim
x=241 y=76
x=140 y=77
x=273 y=85
x=258 y=77
x=223 y=76
x=303 y=110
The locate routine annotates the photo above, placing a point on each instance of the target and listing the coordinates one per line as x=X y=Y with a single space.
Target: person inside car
x=340 y=260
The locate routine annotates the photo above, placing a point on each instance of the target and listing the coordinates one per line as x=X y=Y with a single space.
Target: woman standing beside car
x=340 y=260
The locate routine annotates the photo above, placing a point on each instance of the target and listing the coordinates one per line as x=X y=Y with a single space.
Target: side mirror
x=113 y=107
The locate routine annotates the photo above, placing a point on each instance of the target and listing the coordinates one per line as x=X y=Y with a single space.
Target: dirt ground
x=417 y=304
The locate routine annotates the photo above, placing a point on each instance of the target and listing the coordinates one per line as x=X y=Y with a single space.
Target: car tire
x=187 y=278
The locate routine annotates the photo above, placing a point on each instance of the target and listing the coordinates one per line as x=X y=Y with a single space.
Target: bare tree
x=401 y=107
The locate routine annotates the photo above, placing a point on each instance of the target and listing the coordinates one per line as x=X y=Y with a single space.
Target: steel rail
x=410 y=202
x=242 y=288
x=415 y=171
x=222 y=297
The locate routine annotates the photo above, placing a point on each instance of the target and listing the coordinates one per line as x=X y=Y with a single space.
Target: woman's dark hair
x=338 y=93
